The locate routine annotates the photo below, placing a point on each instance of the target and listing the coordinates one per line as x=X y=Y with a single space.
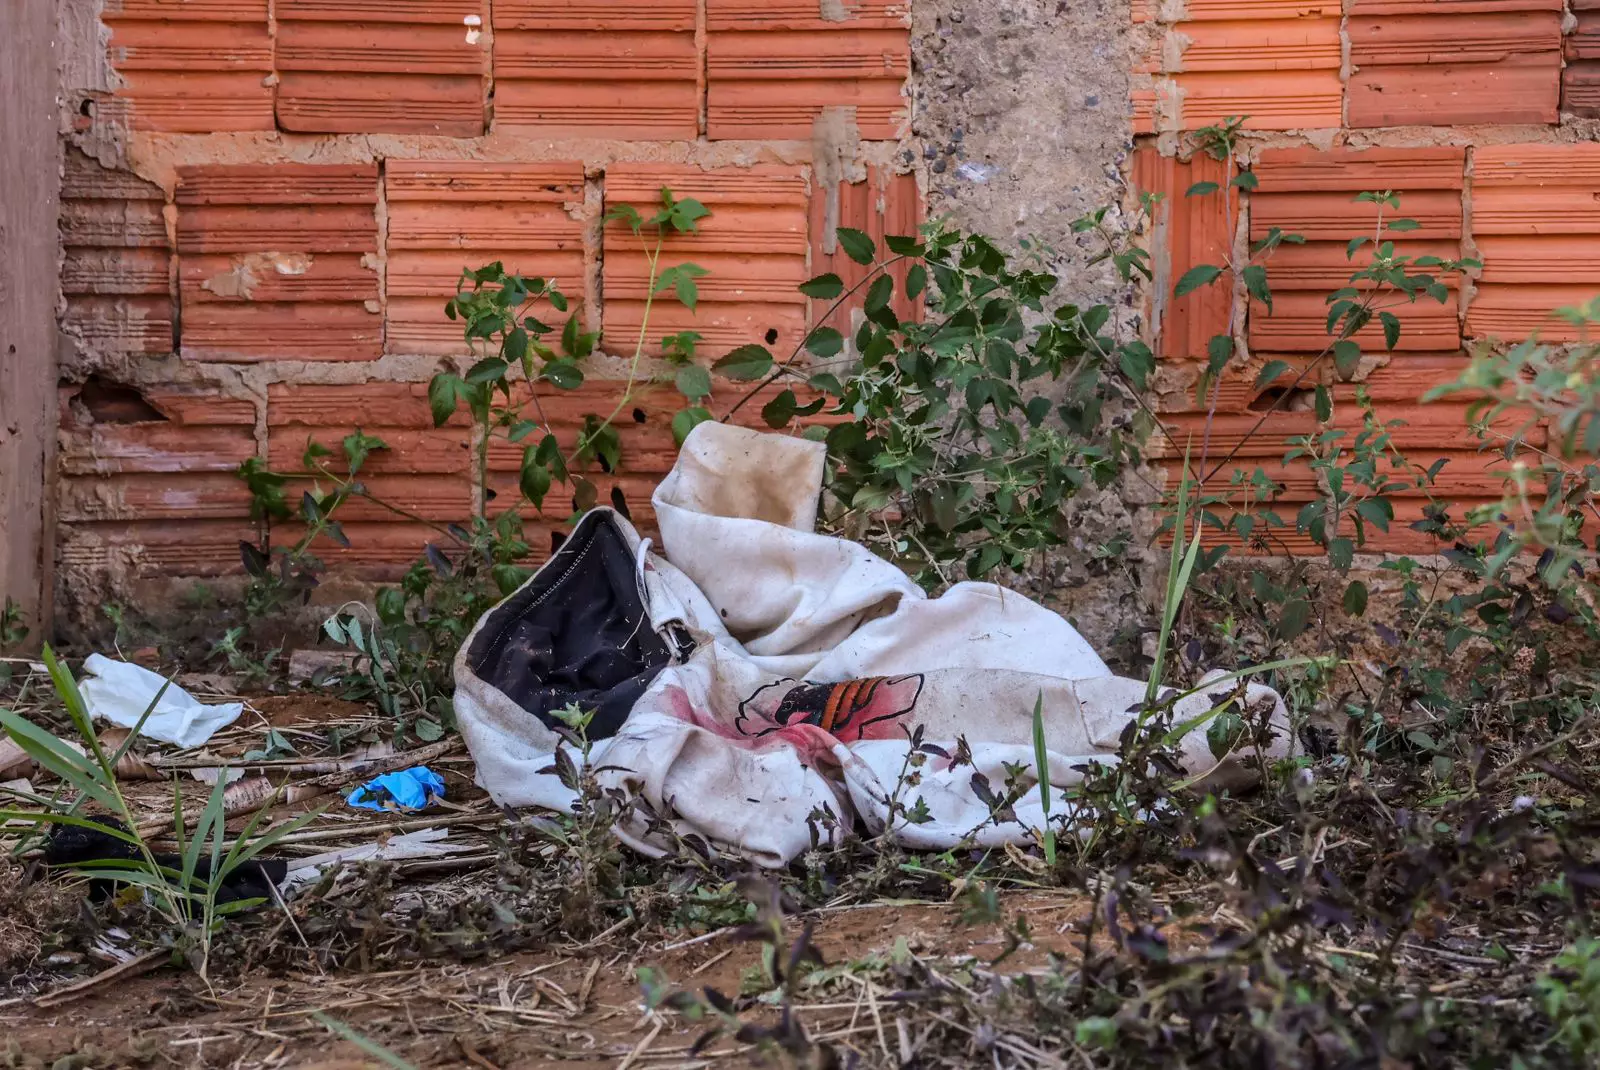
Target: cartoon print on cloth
x=750 y=672
x=872 y=708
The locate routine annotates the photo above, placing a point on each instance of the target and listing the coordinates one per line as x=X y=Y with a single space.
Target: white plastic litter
x=423 y=843
x=120 y=692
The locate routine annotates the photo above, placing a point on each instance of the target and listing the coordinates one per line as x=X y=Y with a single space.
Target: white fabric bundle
x=786 y=670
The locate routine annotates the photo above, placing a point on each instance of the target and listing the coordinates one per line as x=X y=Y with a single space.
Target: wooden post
x=29 y=188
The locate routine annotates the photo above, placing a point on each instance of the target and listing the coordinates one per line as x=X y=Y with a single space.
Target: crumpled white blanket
x=813 y=662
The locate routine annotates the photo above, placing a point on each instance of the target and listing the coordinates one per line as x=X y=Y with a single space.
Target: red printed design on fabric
x=870 y=708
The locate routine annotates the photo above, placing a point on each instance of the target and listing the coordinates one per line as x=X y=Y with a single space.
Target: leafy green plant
x=13 y=626
x=283 y=575
x=957 y=441
x=185 y=896
x=1570 y=994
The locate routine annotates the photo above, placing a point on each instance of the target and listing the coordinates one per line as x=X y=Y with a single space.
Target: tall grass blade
x=1041 y=767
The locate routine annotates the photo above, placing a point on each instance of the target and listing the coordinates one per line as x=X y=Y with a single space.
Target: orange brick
x=1580 y=80
x=1535 y=214
x=773 y=65
x=1187 y=232
x=115 y=259
x=194 y=67
x=753 y=245
x=446 y=216
x=883 y=204
x=1279 y=73
x=275 y=262
x=425 y=470
x=155 y=463
x=1239 y=10
x=1438 y=62
x=383 y=66
x=154 y=548
x=1425 y=433
x=1312 y=193
x=580 y=68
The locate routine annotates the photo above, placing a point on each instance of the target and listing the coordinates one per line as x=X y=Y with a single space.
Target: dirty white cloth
x=812 y=662
x=120 y=692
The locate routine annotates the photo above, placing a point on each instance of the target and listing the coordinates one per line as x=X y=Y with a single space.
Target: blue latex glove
x=409 y=789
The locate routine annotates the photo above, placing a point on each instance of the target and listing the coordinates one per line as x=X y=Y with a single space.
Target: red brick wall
x=1464 y=108
x=297 y=188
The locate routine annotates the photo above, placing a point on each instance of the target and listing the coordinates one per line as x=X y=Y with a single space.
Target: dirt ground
x=573 y=1007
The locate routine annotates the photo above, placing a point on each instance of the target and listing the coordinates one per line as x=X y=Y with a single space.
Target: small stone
x=1091 y=101
x=938 y=167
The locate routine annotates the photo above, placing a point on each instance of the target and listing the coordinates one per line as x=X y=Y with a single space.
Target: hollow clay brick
x=1185 y=232
x=275 y=261
x=1535 y=218
x=425 y=470
x=1426 y=433
x=115 y=260
x=772 y=66
x=580 y=68
x=882 y=204
x=449 y=215
x=1580 y=80
x=193 y=67
x=1438 y=62
x=153 y=549
x=381 y=66
x=753 y=245
x=164 y=468
x=1279 y=73
x=1313 y=193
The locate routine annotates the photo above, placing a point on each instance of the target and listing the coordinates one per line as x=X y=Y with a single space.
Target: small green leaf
x=335 y=629
x=1346 y=358
x=1355 y=598
x=1324 y=404
x=1402 y=226
x=780 y=410
x=878 y=294
x=687 y=420
x=825 y=342
x=1376 y=511
x=1296 y=616
x=443 y=393
x=693 y=382
x=1391 y=329
x=1201 y=188
x=823 y=287
x=1244 y=180
x=1196 y=277
x=487 y=370
x=903 y=245
x=1255 y=281
x=1136 y=362
x=563 y=374
x=535 y=478
x=1219 y=351
x=746 y=363
x=857 y=246
x=1270 y=371
x=916 y=280
x=427 y=729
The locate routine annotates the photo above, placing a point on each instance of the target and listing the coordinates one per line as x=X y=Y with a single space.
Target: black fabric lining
x=578 y=634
